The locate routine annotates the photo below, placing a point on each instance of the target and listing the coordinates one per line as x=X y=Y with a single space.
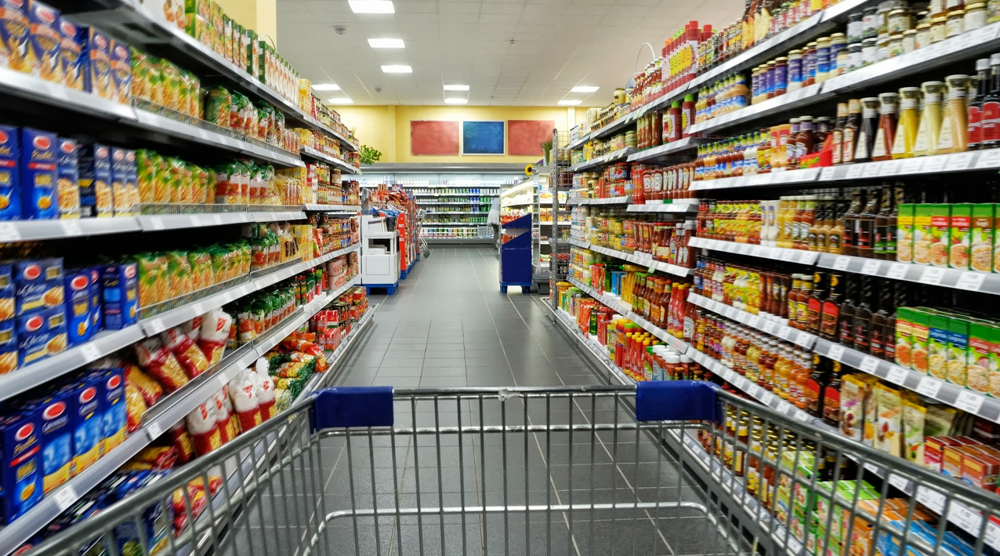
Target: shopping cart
x=568 y=470
x=425 y=248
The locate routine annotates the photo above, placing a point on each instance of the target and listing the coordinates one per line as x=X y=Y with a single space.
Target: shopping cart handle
x=369 y=406
x=676 y=400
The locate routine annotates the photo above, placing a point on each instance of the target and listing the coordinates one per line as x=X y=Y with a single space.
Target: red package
x=184 y=349
x=160 y=363
x=160 y=457
x=135 y=406
x=182 y=443
x=144 y=384
x=196 y=501
x=203 y=427
x=243 y=393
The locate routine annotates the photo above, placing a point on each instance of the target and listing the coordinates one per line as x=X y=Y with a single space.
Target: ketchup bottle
x=687 y=114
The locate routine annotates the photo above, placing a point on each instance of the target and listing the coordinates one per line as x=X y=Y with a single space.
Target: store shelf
x=639 y=259
x=773 y=253
x=332 y=208
x=609 y=158
x=559 y=224
x=812 y=94
x=461 y=240
x=310 y=152
x=654 y=206
x=277 y=216
x=452 y=224
x=966 y=280
x=181 y=221
x=623 y=200
x=456 y=195
x=52 y=95
x=614 y=126
x=484 y=213
x=463 y=203
x=787 y=177
x=763 y=323
x=668 y=150
x=30 y=230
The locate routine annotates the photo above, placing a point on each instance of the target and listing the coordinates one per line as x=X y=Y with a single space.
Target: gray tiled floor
x=449 y=326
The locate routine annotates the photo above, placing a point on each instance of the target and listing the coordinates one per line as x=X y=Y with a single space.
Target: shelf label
x=217 y=219
x=958 y=161
x=932 y=275
x=769 y=326
x=900 y=483
x=802 y=416
x=967 y=401
x=787 y=255
x=730 y=312
x=964 y=517
x=9 y=232
x=869 y=364
x=841 y=263
x=71 y=227
x=827 y=173
x=836 y=353
x=933 y=164
x=871 y=170
x=989 y=159
x=970 y=281
x=767 y=398
x=156 y=325
x=156 y=222
x=784 y=332
x=929 y=387
x=154 y=430
x=871 y=267
x=754 y=321
x=897 y=271
x=802 y=338
x=223 y=381
x=897 y=374
x=931 y=498
x=854 y=171
x=90 y=352
x=744 y=249
x=65 y=497
x=912 y=166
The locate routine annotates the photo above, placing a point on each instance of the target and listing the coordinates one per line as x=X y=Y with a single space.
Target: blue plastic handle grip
x=353 y=407
x=676 y=400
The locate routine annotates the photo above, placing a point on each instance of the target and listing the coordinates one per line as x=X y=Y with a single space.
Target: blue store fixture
x=515 y=255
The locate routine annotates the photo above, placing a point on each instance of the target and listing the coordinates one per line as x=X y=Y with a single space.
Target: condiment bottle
x=885 y=136
x=845 y=322
x=975 y=117
x=864 y=236
x=955 y=126
x=906 y=130
x=885 y=239
x=930 y=119
x=868 y=130
x=850 y=220
x=851 y=130
x=687 y=114
x=831 y=309
x=838 y=133
x=863 y=315
x=804 y=141
x=672 y=123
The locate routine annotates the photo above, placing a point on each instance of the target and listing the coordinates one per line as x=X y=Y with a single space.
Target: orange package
x=186 y=351
x=144 y=384
x=135 y=406
x=160 y=363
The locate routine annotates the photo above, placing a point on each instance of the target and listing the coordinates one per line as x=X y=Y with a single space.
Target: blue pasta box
x=112 y=395
x=119 y=181
x=120 y=289
x=121 y=71
x=71 y=64
x=8 y=347
x=43 y=21
x=6 y=292
x=153 y=525
x=68 y=179
x=78 y=307
x=14 y=36
x=41 y=335
x=38 y=285
x=96 y=55
x=38 y=174
x=96 y=309
x=10 y=175
x=55 y=418
x=21 y=453
x=87 y=420
x=132 y=180
x=95 y=180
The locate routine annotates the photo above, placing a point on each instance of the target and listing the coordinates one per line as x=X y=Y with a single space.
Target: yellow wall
x=259 y=15
x=387 y=128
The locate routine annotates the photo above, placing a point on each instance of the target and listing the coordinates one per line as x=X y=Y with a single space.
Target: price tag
x=9 y=232
x=90 y=352
x=198 y=309
x=826 y=174
x=932 y=275
x=871 y=170
x=958 y=161
x=802 y=416
x=71 y=228
x=891 y=167
x=836 y=353
x=156 y=222
x=971 y=281
x=754 y=321
x=784 y=332
x=934 y=164
x=929 y=387
x=841 y=263
x=769 y=326
x=930 y=498
x=897 y=271
x=154 y=430
x=730 y=312
x=156 y=325
x=195 y=221
x=993 y=534
x=989 y=159
x=897 y=374
x=869 y=364
x=223 y=381
x=65 y=497
x=652 y=268
x=871 y=267
x=964 y=517
x=787 y=255
x=854 y=171
x=802 y=338
x=912 y=166
x=967 y=401
x=217 y=219
x=807 y=257
x=899 y=482
x=789 y=409
x=744 y=249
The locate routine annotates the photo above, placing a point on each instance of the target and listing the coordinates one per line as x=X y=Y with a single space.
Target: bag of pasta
x=150 y=390
x=217 y=106
x=147 y=169
x=214 y=334
x=203 y=427
x=187 y=353
x=182 y=442
x=243 y=394
x=135 y=406
x=159 y=362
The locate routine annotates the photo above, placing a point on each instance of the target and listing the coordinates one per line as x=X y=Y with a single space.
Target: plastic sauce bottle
x=906 y=131
x=687 y=114
x=975 y=117
x=672 y=123
x=930 y=119
x=885 y=136
x=955 y=126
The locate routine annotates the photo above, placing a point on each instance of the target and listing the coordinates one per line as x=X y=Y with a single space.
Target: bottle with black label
x=845 y=321
x=883 y=235
x=878 y=338
x=815 y=303
x=863 y=315
x=864 y=231
x=831 y=308
x=831 y=395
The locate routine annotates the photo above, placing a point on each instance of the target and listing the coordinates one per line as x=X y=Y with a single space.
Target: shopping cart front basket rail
x=660 y=468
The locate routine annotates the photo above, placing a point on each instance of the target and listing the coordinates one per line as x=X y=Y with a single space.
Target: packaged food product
x=920 y=341
x=68 y=178
x=888 y=436
x=159 y=457
x=871 y=410
x=179 y=270
x=112 y=402
x=152 y=282
x=214 y=335
x=203 y=427
x=10 y=175
x=190 y=357
x=71 y=62
x=170 y=85
x=182 y=443
x=982 y=231
x=228 y=423
x=218 y=106
x=937 y=347
x=135 y=406
x=86 y=413
x=243 y=393
x=121 y=71
x=121 y=294
x=41 y=335
x=144 y=384
x=913 y=431
x=78 y=306
x=38 y=285
x=21 y=475
x=95 y=181
x=43 y=46
x=147 y=168
x=160 y=363
x=97 y=58
x=39 y=160
x=56 y=438
x=119 y=182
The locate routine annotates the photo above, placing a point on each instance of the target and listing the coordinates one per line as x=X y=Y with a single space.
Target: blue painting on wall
x=483 y=137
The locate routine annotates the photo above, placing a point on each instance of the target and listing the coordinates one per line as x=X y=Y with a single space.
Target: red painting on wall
x=525 y=137
x=434 y=137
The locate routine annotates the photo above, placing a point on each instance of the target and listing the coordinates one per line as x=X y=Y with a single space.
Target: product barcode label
x=802 y=416
x=871 y=267
x=90 y=352
x=784 y=332
x=198 y=309
x=964 y=517
x=899 y=482
x=897 y=271
x=869 y=364
x=841 y=263
x=156 y=325
x=217 y=219
x=897 y=374
x=744 y=249
x=65 y=497
x=967 y=401
x=754 y=321
x=836 y=353
x=971 y=281
x=929 y=387
x=223 y=381
x=932 y=276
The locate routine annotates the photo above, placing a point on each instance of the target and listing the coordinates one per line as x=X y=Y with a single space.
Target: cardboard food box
x=20 y=449
x=39 y=160
x=44 y=45
x=10 y=174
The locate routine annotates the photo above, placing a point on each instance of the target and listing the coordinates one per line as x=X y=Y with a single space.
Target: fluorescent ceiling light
x=397 y=69
x=569 y=102
x=340 y=100
x=326 y=87
x=583 y=89
x=385 y=43
x=372 y=6
x=456 y=87
x=456 y=101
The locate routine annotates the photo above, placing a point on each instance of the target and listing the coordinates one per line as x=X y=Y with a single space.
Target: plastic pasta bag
x=183 y=443
x=229 y=425
x=135 y=406
x=160 y=363
x=149 y=389
x=185 y=351
x=214 y=334
x=203 y=427
x=159 y=457
x=193 y=328
x=264 y=390
x=217 y=106
x=242 y=391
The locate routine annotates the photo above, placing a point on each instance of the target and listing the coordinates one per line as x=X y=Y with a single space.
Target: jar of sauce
x=886 y=135
x=909 y=41
x=895 y=47
x=855 y=27
x=809 y=64
x=993 y=11
x=795 y=75
x=780 y=76
x=822 y=59
x=869 y=24
x=869 y=52
x=899 y=20
x=838 y=54
x=805 y=140
x=939 y=29
x=955 y=25
x=975 y=16
x=924 y=35
x=854 y=60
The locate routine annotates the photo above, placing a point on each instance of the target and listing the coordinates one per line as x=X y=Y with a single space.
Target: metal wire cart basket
x=662 y=468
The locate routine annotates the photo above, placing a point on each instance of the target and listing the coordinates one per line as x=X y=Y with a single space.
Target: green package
x=959 y=232
x=983 y=231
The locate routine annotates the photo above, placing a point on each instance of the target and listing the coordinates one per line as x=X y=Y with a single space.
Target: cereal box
x=10 y=175
x=922 y=234
x=120 y=286
x=937 y=347
x=119 y=182
x=15 y=34
x=112 y=401
x=38 y=285
x=96 y=55
x=78 y=307
x=121 y=71
x=982 y=229
x=38 y=174
x=20 y=439
x=95 y=180
x=959 y=232
x=87 y=418
x=57 y=439
x=71 y=65
x=43 y=21
x=68 y=178
x=40 y=335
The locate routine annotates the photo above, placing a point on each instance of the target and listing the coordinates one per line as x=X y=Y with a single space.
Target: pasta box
x=132 y=180
x=15 y=34
x=57 y=438
x=71 y=62
x=41 y=335
x=120 y=287
x=8 y=347
x=96 y=314
x=96 y=53
x=85 y=413
x=68 y=178
x=95 y=180
x=10 y=175
x=38 y=174
x=112 y=398
x=38 y=285
x=6 y=292
x=43 y=22
x=119 y=181
x=121 y=71
x=78 y=306
x=21 y=451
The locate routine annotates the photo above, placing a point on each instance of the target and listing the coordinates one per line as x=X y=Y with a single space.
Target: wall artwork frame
x=484 y=137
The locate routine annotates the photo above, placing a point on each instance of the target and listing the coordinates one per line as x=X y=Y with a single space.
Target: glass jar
x=975 y=16
x=809 y=65
x=822 y=59
x=855 y=59
x=939 y=29
x=993 y=11
x=869 y=24
x=838 y=44
x=780 y=76
x=882 y=17
x=869 y=52
x=795 y=76
x=842 y=62
x=895 y=46
x=855 y=27
x=924 y=35
x=956 y=24
x=900 y=20
x=909 y=41
x=882 y=49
